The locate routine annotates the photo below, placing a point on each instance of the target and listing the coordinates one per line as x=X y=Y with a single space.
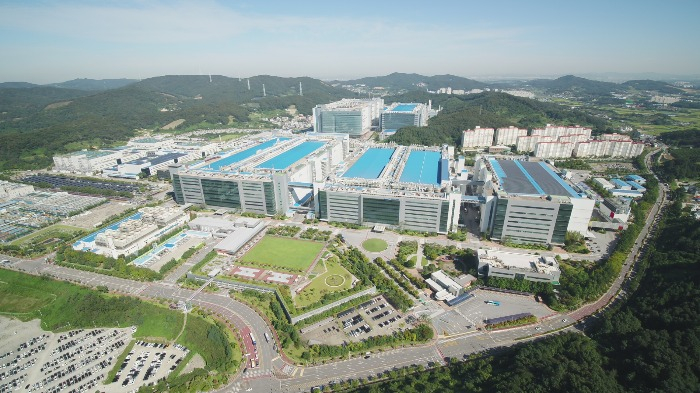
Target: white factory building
x=531 y=267
x=134 y=234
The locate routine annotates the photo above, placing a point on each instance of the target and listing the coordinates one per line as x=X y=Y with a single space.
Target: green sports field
x=291 y=255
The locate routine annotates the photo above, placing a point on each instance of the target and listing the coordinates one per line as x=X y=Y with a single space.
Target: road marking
x=301 y=373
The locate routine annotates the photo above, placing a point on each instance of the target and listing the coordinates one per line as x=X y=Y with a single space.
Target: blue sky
x=51 y=41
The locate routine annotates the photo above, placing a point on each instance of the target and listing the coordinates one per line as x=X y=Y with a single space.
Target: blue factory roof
x=422 y=167
x=244 y=154
x=371 y=164
x=404 y=108
x=636 y=186
x=635 y=178
x=530 y=178
x=619 y=183
x=289 y=157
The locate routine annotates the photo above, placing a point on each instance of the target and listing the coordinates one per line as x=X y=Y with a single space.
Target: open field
x=288 y=254
x=335 y=279
x=44 y=234
x=375 y=245
x=15 y=298
x=642 y=119
x=77 y=307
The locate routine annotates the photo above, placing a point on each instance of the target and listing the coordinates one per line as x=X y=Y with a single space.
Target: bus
x=252 y=338
x=493 y=302
x=267 y=337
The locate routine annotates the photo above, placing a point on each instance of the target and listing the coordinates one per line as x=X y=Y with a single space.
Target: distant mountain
x=401 y=81
x=42 y=121
x=16 y=85
x=650 y=85
x=19 y=102
x=576 y=85
x=94 y=84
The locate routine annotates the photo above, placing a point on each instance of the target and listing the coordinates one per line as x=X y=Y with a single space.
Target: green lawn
x=375 y=245
x=62 y=304
x=336 y=275
x=16 y=298
x=284 y=253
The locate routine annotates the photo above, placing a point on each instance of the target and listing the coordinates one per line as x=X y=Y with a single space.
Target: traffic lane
x=359 y=367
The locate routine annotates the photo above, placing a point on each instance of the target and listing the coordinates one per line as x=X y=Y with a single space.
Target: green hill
x=94 y=84
x=576 y=85
x=401 y=81
x=650 y=85
x=43 y=121
x=487 y=109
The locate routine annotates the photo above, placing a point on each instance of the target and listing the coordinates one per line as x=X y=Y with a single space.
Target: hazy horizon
x=51 y=42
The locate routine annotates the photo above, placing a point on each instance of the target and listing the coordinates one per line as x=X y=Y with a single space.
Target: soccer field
x=287 y=254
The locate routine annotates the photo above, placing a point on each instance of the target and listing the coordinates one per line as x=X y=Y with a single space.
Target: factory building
x=616 y=208
x=527 y=202
x=504 y=264
x=131 y=235
x=337 y=178
x=478 y=137
x=399 y=115
x=86 y=161
x=354 y=117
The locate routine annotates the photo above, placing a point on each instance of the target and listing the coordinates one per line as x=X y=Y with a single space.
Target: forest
x=650 y=343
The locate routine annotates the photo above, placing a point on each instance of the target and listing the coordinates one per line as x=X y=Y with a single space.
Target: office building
x=354 y=117
x=504 y=264
x=399 y=115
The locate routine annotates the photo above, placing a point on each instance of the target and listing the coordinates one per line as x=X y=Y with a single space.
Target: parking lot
x=146 y=363
x=471 y=314
x=33 y=360
x=375 y=317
